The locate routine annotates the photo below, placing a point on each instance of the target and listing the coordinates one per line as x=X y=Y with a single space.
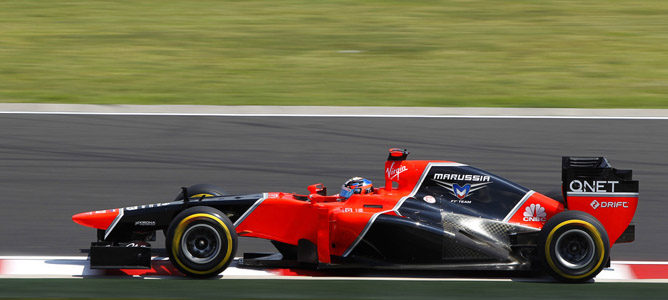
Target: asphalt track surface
x=53 y=166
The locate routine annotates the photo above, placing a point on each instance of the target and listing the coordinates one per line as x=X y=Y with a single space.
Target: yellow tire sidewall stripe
x=598 y=240
x=201 y=195
x=179 y=232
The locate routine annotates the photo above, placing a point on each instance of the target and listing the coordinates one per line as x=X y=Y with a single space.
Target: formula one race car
x=429 y=215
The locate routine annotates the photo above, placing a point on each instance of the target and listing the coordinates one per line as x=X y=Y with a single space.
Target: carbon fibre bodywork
x=138 y=222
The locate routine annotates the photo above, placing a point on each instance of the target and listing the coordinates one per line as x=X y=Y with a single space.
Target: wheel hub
x=201 y=243
x=575 y=249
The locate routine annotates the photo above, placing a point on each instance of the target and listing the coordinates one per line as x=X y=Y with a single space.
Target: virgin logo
x=392 y=173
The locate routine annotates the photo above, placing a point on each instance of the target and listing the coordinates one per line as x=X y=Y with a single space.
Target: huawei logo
x=535 y=212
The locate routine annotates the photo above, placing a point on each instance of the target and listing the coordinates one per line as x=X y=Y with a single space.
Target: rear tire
x=201 y=242
x=573 y=246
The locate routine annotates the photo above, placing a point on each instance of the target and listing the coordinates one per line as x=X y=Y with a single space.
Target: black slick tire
x=201 y=241
x=573 y=246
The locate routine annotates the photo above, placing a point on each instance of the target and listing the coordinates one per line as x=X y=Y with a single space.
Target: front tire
x=202 y=190
x=201 y=242
x=574 y=246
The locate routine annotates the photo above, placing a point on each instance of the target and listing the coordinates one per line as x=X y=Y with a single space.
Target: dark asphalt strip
x=320 y=289
x=53 y=166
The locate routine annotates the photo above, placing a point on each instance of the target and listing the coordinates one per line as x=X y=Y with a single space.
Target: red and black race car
x=428 y=215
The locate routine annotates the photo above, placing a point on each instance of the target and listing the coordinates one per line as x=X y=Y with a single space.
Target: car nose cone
x=100 y=219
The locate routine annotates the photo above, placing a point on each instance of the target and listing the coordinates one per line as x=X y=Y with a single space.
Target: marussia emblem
x=535 y=212
x=461 y=191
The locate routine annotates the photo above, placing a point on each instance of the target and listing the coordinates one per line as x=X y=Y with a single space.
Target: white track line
x=332 y=111
x=335 y=115
x=643 y=262
x=78 y=266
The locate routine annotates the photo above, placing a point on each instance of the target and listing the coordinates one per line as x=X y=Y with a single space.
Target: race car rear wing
x=594 y=175
x=592 y=185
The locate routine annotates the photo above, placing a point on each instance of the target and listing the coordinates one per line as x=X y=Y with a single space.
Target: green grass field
x=320 y=289
x=516 y=53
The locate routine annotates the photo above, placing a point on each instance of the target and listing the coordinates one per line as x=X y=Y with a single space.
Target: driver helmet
x=356 y=185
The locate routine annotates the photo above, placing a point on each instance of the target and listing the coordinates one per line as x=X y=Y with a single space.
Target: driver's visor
x=346 y=192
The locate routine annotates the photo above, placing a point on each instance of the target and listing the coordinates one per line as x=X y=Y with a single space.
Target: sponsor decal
x=147 y=206
x=429 y=199
x=594 y=204
x=461 y=191
x=393 y=174
x=461 y=177
x=605 y=204
x=592 y=186
x=535 y=213
x=144 y=223
x=102 y=211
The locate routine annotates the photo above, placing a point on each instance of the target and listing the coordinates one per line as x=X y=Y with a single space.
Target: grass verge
x=513 y=53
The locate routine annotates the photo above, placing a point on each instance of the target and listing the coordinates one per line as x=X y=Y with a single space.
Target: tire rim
x=201 y=243
x=575 y=249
